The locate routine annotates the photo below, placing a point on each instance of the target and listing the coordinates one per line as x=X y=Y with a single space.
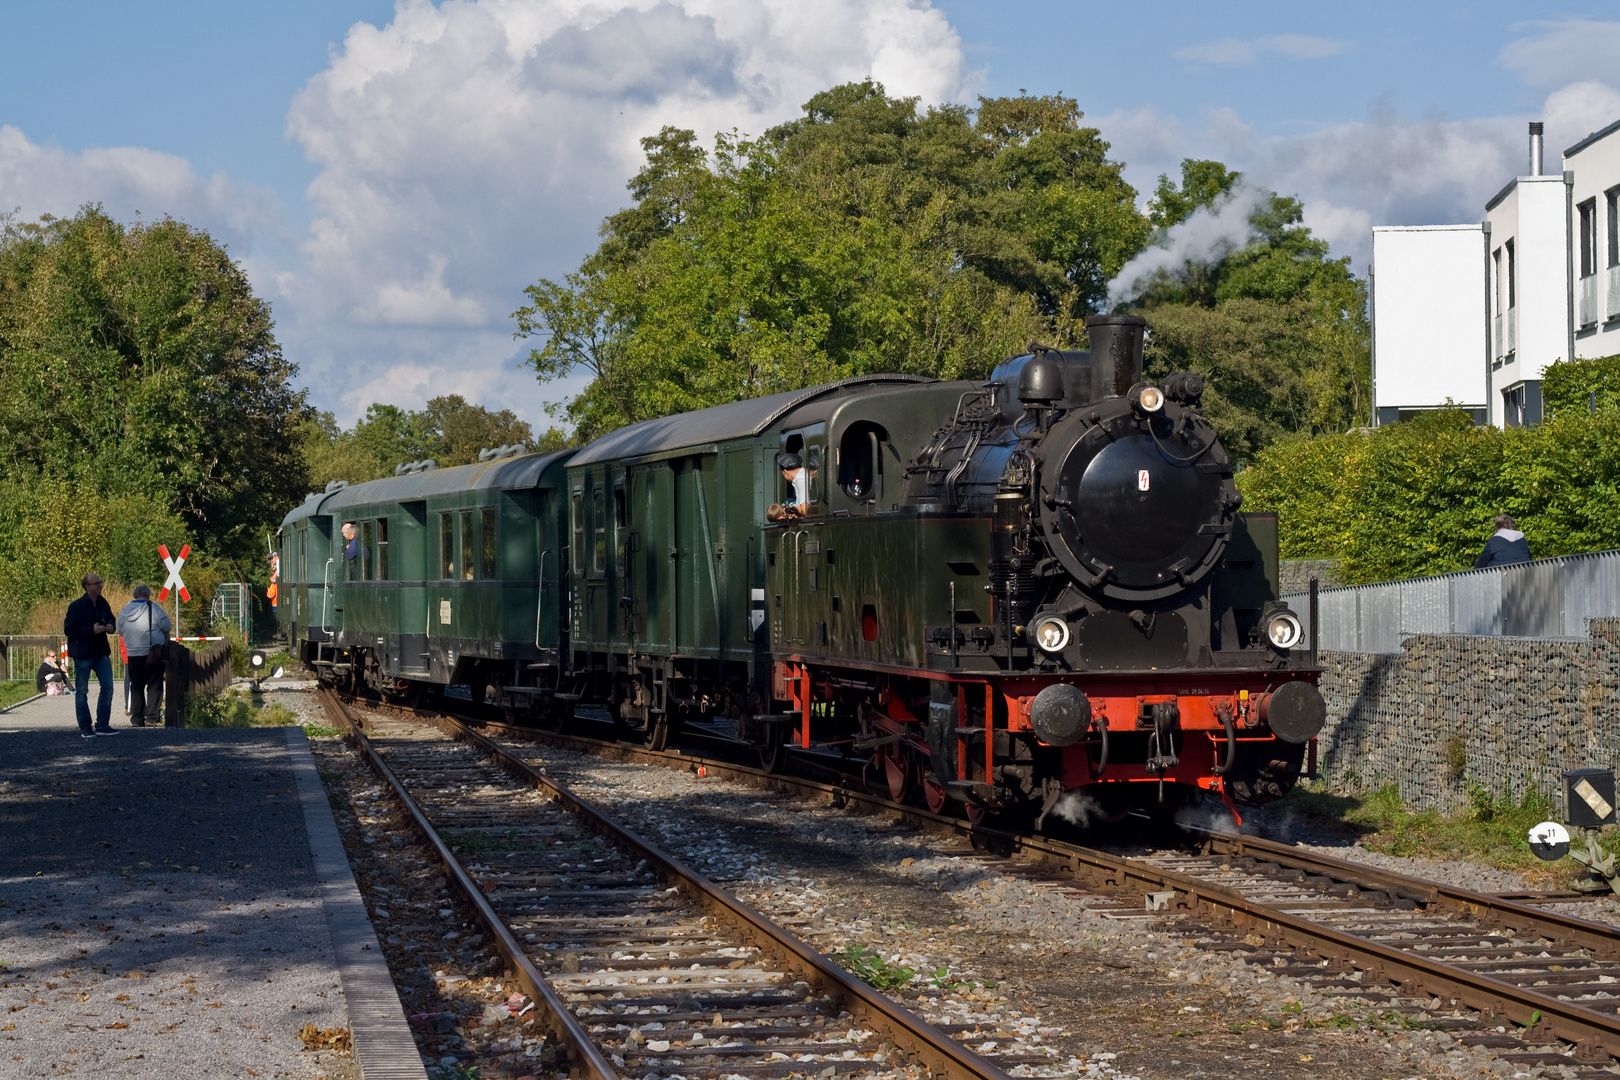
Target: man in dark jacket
x=1506 y=547
x=89 y=620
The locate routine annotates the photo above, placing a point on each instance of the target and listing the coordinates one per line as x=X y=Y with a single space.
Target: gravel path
x=157 y=909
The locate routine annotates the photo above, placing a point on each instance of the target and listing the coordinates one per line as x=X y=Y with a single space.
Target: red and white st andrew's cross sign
x=174 y=565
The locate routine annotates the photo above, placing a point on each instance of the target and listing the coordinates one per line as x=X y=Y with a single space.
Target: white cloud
x=468 y=148
x=39 y=179
x=1244 y=52
x=1562 y=51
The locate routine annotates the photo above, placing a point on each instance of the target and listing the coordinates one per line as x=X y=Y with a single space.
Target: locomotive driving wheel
x=900 y=771
x=656 y=734
x=934 y=794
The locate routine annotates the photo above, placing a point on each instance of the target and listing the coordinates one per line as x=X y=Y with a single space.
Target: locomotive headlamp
x=1283 y=629
x=1150 y=399
x=1052 y=634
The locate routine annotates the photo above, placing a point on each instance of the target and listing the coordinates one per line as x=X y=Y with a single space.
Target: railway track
x=1548 y=980
x=637 y=964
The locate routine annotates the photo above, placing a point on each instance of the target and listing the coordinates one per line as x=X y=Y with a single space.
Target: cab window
x=579 y=530
x=382 y=549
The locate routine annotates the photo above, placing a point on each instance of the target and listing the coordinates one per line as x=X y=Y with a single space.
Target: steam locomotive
x=1002 y=596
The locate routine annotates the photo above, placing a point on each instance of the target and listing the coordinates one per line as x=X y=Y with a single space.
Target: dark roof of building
x=1592 y=138
x=733 y=420
x=519 y=472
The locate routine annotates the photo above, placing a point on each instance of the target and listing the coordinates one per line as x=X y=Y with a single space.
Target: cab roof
x=733 y=420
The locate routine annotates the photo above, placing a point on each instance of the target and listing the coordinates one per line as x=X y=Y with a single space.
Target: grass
x=13 y=692
x=872 y=969
x=1489 y=829
x=232 y=709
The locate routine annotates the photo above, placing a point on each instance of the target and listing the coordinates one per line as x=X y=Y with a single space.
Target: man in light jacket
x=145 y=629
x=1505 y=547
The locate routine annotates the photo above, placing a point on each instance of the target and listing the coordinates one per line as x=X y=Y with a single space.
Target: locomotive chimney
x=1116 y=354
x=1535 y=148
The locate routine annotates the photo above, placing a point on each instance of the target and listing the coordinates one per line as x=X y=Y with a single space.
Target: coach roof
x=514 y=472
x=733 y=420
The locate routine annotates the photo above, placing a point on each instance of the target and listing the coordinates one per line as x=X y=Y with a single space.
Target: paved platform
x=177 y=902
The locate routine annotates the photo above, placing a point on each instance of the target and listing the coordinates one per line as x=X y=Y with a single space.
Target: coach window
x=486 y=539
x=368 y=539
x=382 y=549
x=447 y=546
x=467 y=564
x=598 y=533
x=579 y=530
x=621 y=529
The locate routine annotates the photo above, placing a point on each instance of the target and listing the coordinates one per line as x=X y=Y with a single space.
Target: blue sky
x=392 y=176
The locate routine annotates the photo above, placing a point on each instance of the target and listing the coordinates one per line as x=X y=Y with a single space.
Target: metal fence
x=1547 y=598
x=231 y=605
x=23 y=653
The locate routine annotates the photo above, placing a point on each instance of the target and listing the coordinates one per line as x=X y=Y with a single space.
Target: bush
x=1418 y=497
x=232 y=709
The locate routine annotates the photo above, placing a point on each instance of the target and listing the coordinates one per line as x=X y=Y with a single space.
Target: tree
x=866 y=236
x=143 y=397
x=448 y=430
x=1277 y=327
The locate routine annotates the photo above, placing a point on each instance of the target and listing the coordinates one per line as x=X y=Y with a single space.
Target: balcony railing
x=1496 y=337
x=1590 y=313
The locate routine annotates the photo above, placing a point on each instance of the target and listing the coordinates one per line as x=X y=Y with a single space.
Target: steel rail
x=583 y=1053
x=924 y=1044
x=1571 y=1021
x=1603 y=941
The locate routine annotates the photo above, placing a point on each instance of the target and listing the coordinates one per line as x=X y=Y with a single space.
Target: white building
x=1593 y=168
x=1428 y=287
x=1545 y=267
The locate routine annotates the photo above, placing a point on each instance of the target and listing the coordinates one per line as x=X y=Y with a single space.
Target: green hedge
x=1418 y=497
x=1581 y=386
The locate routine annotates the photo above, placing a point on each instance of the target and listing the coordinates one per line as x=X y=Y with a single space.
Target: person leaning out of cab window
x=798 y=481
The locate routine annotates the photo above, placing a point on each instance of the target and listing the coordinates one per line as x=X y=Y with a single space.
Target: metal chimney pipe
x=1535 y=148
x=1116 y=353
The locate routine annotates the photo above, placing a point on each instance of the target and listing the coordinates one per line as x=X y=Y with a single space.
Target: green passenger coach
x=454 y=576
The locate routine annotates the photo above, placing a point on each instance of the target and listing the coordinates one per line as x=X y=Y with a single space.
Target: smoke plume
x=1204 y=238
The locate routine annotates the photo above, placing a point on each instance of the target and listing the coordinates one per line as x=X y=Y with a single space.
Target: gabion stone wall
x=1451 y=711
x=1296 y=575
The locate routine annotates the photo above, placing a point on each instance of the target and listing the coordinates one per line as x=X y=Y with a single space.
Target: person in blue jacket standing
x=1505 y=547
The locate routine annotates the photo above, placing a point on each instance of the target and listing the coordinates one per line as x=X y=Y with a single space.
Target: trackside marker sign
x=174 y=565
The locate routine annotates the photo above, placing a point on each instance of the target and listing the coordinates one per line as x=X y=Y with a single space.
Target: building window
x=447 y=546
x=1512 y=271
x=1611 y=213
x=487 y=537
x=1589 y=248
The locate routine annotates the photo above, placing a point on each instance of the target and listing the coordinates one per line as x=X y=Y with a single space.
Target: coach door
x=653 y=556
